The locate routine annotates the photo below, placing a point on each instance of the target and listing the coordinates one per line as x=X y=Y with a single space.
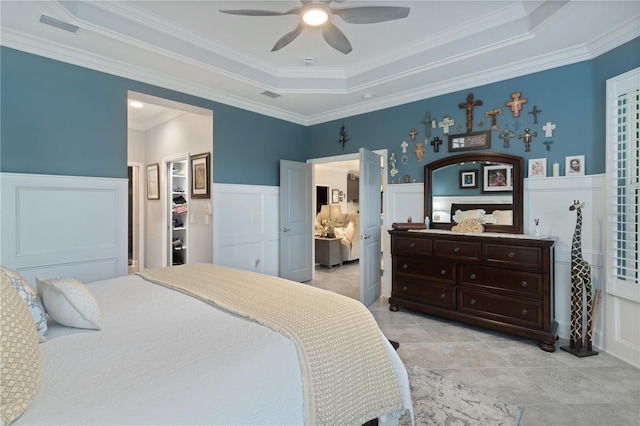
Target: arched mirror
x=488 y=186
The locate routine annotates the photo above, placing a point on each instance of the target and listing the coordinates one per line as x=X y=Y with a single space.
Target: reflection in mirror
x=483 y=186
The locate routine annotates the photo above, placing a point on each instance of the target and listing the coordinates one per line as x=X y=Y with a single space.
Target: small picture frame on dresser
x=538 y=168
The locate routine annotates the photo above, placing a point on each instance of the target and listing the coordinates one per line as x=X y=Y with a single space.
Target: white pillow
x=69 y=302
x=461 y=216
x=30 y=298
x=503 y=217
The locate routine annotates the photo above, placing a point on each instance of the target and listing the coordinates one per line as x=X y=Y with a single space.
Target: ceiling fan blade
x=336 y=38
x=371 y=14
x=288 y=38
x=255 y=12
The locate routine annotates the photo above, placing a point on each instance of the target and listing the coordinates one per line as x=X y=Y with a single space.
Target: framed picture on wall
x=153 y=184
x=200 y=176
x=335 y=196
x=468 y=179
x=574 y=165
x=496 y=178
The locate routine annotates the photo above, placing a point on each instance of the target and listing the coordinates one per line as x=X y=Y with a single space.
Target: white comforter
x=165 y=358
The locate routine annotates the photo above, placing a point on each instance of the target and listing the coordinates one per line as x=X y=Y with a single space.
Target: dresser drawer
x=502 y=280
x=411 y=246
x=432 y=270
x=423 y=291
x=458 y=250
x=521 y=256
x=500 y=308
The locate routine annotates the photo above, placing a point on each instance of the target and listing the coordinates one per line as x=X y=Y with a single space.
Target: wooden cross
x=506 y=136
x=548 y=144
x=548 y=129
x=404 y=146
x=527 y=139
x=428 y=124
x=516 y=103
x=535 y=112
x=494 y=113
x=445 y=124
x=469 y=107
x=436 y=142
x=419 y=151
x=413 y=133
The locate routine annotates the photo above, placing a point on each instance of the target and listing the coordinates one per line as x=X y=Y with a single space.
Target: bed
x=171 y=354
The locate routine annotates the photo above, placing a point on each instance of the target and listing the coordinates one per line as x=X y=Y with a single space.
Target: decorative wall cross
x=535 y=111
x=516 y=103
x=419 y=151
x=404 y=146
x=506 y=136
x=527 y=139
x=343 y=137
x=428 y=124
x=548 y=129
x=469 y=107
x=412 y=134
x=494 y=113
x=548 y=144
x=436 y=144
x=445 y=124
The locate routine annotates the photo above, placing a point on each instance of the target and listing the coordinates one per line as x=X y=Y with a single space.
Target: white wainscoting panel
x=405 y=200
x=548 y=199
x=246 y=227
x=64 y=226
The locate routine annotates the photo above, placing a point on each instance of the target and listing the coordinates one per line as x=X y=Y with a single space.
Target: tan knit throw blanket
x=346 y=373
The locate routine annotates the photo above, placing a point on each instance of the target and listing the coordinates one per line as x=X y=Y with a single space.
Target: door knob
x=286 y=229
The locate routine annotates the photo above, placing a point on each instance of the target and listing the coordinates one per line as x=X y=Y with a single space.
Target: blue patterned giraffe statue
x=580 y=284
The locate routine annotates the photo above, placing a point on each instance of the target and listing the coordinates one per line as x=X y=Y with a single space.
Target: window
x=623 y=184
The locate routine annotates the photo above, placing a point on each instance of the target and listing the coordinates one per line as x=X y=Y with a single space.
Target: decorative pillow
x=351 y=228
x=503 y=217
x=461 y=216
x=69 y=302
x=20 y=354
x=30 y=298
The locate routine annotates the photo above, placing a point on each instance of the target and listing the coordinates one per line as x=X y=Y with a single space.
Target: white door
x=296 y=236
x=370 y=245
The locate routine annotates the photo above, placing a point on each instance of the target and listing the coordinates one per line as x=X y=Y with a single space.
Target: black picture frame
x=201 y=175
x=468 y=179
x=470 y=141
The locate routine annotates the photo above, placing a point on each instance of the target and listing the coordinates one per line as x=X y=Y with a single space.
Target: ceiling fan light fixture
x=315 y=15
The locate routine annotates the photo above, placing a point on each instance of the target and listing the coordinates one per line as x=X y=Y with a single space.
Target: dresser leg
x=547 y=347
x=394 y=308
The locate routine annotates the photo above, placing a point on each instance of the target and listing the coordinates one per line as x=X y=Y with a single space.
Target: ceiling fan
x=320 y=14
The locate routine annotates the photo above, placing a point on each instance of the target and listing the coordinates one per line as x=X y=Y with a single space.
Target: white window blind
x=623 y=176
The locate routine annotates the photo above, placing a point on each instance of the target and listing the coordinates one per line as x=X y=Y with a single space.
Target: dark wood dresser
x=503 y=283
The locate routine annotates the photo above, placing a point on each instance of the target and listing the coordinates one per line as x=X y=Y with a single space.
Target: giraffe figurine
x=580 y=282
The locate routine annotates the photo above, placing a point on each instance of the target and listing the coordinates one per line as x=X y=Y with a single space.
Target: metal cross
x=445 y=124
x=527 y=139
x=535 y=112
x=419 y=151
x=506 y=136
x=428 y=124
x=436 y=142
x=548 y=144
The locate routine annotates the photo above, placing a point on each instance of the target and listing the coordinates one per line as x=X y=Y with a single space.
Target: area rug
x=438 y=400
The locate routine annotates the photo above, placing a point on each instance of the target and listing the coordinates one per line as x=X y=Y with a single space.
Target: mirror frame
x=518 y=185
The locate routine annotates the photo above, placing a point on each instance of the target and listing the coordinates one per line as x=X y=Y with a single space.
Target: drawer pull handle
x=512 y=254
x=524 y=312
x=412 y=245
x=405 y=266
x=443 y=296
x=443 y=272
x=404 y=288
x=524 y=284
x=473 y=276
x=456 y=250
x=472 y=301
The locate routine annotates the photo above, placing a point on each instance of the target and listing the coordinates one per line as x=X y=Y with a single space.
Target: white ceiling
x=442 y=46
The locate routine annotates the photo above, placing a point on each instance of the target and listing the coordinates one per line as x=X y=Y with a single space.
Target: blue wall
x=63 y=119
x=572 y=97
x=59 y=118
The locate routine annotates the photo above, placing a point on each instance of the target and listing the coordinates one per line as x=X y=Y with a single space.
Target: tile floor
x=555 y=388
